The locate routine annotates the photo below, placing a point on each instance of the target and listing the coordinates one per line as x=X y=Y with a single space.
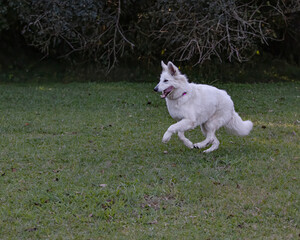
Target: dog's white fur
x=195 y=105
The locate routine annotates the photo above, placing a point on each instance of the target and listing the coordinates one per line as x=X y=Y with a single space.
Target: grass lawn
x=86 y=161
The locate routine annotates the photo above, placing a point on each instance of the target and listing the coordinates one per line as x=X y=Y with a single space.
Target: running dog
x=193 y=105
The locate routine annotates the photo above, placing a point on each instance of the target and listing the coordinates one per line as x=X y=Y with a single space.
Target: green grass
x=85 y=161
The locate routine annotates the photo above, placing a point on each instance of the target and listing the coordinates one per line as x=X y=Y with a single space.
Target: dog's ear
x=173 y=70
x=164 y=66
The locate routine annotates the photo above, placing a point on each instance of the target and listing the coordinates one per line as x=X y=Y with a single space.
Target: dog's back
x=201 y=102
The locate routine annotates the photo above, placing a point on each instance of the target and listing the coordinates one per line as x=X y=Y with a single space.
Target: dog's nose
x=155 y=89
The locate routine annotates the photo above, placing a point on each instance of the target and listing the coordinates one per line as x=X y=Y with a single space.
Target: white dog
x=197 y=104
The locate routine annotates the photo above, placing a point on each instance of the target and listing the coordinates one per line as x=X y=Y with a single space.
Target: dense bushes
x=106 y=31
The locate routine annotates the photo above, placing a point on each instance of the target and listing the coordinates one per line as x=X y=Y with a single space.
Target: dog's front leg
x=185 y=140
x=181 y=126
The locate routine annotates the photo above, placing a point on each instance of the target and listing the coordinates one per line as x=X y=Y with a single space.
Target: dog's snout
x=156 y=89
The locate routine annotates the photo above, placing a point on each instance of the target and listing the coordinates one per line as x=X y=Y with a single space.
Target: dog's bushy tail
x=239 y=127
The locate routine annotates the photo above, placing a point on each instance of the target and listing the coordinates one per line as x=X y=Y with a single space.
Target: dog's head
x=170 y=79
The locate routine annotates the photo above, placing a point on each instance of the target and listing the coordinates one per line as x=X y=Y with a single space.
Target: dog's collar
x=170 y=96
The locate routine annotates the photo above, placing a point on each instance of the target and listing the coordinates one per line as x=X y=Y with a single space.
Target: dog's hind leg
x=214 y=146
x=209 y=130
x=207 y=140
x=203 y=129
x=204 y=143
x=185 y=140
x=210 y=139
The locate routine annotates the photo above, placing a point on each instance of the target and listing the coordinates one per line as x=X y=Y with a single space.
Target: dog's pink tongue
x=163 y=95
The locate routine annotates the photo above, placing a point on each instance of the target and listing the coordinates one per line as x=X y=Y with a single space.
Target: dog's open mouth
x=166 y=92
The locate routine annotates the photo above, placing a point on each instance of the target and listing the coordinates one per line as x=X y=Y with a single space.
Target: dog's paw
x=167 y=136
x=204 y=143
x=208 y=150
x=189 y=144
x=212 y=148
x=200 y=145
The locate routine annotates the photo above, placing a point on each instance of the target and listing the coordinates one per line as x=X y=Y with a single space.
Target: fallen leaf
x=31 y=229
x=241 y=225
x=107 y=204
x=216 y=183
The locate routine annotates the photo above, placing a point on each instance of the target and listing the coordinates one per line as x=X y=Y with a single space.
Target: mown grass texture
x=86 y=161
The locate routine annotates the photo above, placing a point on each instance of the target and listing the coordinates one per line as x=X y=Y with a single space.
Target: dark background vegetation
x=222 y=40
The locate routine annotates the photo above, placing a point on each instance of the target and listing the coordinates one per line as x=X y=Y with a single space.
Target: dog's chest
x=176 y=110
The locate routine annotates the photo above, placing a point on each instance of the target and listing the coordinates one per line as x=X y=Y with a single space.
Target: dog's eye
x=166 y=80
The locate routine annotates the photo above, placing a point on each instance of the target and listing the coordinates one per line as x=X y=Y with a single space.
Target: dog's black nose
x=155 y=89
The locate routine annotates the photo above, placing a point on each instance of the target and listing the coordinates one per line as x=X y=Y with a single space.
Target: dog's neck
x=177 y=93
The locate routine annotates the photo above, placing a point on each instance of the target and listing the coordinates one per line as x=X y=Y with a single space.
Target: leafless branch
x=236 y=30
